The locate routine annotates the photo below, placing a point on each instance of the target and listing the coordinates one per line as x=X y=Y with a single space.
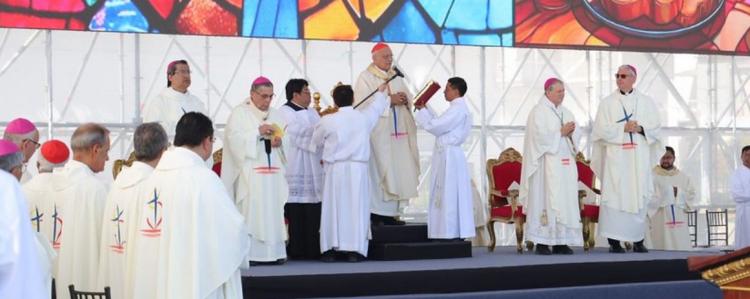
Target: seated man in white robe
x=549 y=177
x=345 y=138
x=149 y=142
x=451 y=212
x=175 y=100
x=191 y=241
x=303 y=173
x=253 y=171
x=21 y=274
x=627 y=141
x=740 y=188
x=25 y=135
x=673 y=195
x=82 y=196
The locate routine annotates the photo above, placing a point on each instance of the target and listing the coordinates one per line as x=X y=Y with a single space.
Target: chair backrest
x=217 y=156
x=86 y=295
x=692 y=220
x=120 y=163
x=717 y=227
x=504 y=170
x=585 y=173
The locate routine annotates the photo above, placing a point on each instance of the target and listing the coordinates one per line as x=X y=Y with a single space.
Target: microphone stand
x=398 y=74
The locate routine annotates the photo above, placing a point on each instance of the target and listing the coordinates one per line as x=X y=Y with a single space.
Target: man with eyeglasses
x=304 y=173
x=175 y=100
x=25 y=135
x=626 y=142
x=253 y=170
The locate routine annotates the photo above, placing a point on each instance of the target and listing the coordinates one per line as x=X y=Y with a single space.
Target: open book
x=426 y=93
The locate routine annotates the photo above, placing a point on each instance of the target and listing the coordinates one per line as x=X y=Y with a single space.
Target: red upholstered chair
x=589 y=212
x=217 y=161
x=502 y=172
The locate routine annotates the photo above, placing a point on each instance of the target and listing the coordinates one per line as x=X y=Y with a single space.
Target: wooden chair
x=89 y=295
x=504 y=207
x=217 y=156
x=589 y=212
x=692 y=220
x=717 y=224
x=120 y=163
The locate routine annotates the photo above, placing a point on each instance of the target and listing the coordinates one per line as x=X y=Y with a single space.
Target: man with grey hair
x=25 y=135
x=82 y=196
x=254 y=168
x=120 y=210
x=627 y=144
x=11 y=158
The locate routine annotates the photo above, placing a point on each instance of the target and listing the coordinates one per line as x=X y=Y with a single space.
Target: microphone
x=397 y=74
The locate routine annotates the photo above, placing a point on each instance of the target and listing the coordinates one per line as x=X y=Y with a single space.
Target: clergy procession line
x=294 y=184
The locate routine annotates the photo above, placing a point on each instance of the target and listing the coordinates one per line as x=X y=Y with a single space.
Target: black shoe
x=376 y=220
x=389 y=220
x=328 y=256
x=616 y=249
x=354 y=257
x=280 y=262
x=542 y=249
x=639 y=247
x=561 y=249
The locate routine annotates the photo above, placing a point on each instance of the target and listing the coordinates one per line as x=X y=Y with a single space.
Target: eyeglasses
x=265 y=96
x=188 y=72
x=621 y=76
x=36 y=144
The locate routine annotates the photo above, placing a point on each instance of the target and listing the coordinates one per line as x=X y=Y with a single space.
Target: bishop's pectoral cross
x=626 y=119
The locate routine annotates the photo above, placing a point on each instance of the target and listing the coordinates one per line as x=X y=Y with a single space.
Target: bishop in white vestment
x=82 y=197
x=627 y=144
x=253 y=171
x=549 y=179
x=174 y=100
x=119 y=224
x=394 y=167
x=25 y=135
x=674 y=194
x=451 y=213
x=344 y=137
x=304 y=173
x=740 y=188
x=191 y=240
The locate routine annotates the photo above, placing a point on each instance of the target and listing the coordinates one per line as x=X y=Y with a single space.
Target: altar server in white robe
x=191 y=240
x=674 y=194
x=626 y=144
x=174 y=100
x=304 y=173
x=119 y=224
x=21 y=274
x=253 y=171
x=82 y=196
x=549 y=179
x=345 y=140
x=394 y=167
x=25 y=135
x=451 y=212
x=740 y=188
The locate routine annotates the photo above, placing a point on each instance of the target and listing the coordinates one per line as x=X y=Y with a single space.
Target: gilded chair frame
x=587 y=223
x=507 y=156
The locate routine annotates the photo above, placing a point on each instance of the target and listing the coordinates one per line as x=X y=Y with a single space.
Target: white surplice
x=260 y=192
x=21 y=273
x=304 y=174
x=667 y=217
x=549 y=178
x=168 y=107
x=451 y=212
x=624 y=169
x=394 y=167
x=83 y=197
x=191 y=240
x=345 y=137
x=118 y=226
x=740 y=188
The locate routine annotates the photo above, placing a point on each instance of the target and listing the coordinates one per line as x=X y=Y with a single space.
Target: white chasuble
x=623 y=161
x=168 y=107
x=549 y=178
x=667 y=212
x=256 y=179
x=740 y=188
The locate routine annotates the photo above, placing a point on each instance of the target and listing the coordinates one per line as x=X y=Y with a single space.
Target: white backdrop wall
x=60 y=79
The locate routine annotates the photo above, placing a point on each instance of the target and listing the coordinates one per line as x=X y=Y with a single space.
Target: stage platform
x=502 y=270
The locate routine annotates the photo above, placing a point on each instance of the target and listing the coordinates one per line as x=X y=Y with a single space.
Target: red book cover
x=426 y=93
